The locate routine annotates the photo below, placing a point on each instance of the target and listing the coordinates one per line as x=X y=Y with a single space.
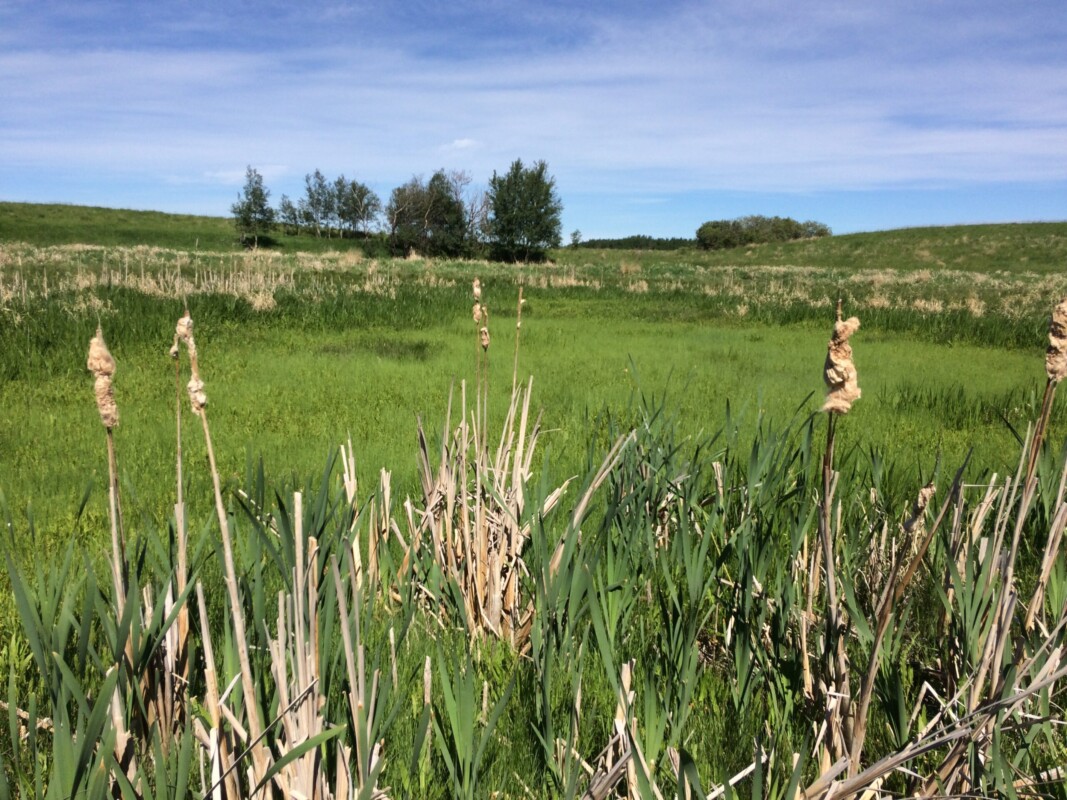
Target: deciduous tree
x=524 y=212
x=252 y=215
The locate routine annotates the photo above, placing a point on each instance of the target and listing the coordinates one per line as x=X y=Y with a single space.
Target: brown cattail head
x=839 y=372
x=102 y=365
x=1056 y=355
x=926 y=494
x=477 y=287
x=483 y=335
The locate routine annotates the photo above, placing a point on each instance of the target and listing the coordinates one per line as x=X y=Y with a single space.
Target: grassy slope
x=56 y=224
x=1036 y=246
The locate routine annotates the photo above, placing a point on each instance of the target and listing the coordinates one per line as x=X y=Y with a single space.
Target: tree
x=288 y=216
x=317 y=205
x=427 y=217
x=252 y=215
x=524 y=213
x=357 y=205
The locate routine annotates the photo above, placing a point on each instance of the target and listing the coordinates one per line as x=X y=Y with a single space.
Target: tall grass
x=326 y=641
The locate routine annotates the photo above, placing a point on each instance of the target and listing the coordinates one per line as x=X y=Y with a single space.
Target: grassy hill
x=1030 y=247
x=55 y=224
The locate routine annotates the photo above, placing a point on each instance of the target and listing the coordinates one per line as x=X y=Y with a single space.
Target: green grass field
x=303 y=346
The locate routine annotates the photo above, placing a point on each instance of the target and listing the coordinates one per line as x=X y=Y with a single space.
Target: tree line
x=517 y=218
x=756 y=229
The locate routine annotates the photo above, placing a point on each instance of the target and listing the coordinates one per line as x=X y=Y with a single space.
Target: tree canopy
x=756 y=229
x=428 y=218
x=524 y=213
x=252 y=215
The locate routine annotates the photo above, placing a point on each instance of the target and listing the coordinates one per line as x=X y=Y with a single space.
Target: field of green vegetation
x=478 y=639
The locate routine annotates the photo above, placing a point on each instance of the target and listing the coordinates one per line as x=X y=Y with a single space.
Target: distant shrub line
x=724 y=234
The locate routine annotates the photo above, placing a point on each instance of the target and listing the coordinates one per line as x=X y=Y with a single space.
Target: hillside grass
x=1038 y=247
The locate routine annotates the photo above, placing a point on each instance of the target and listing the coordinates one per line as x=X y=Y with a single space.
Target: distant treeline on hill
x=756 y=229
x=639 y=243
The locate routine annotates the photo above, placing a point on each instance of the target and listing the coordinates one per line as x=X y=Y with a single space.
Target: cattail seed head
x=926 y=494
x=183 y=332
x=102 y=365
x=483 y=335
x=477 y=288
x=477 y=313
x=197 y=396
x=839 y=373
x=1056 y=355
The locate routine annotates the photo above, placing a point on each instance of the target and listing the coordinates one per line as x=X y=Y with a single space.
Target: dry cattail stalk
x=1056 y=355
x=477 y=313
x=483 y=336
x=102 y=365
x=839 y=372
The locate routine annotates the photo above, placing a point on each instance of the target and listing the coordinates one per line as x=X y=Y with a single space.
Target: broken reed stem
x=1056 y=370
x=518 y=330
x=182 y=578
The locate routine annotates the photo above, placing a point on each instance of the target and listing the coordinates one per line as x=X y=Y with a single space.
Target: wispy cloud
x=620 y=98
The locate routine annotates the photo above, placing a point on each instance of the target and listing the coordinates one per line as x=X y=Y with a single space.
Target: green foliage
x=638 y=242
x=428 y=218
x=525 y=211
x=252 y=215
x=319 y=204
x=357 y=206
x=756 y=229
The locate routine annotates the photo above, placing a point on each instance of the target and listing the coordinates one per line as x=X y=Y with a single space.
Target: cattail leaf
x=89 y=738
x=297 y=752
x=420 y=738
x=858 y=616
x=31 y=620
x=494 y=717
x=689 y=778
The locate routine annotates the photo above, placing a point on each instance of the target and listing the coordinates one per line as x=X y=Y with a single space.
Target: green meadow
x=713 y=360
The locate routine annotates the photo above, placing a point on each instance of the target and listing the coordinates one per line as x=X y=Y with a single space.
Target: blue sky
x=652 y=116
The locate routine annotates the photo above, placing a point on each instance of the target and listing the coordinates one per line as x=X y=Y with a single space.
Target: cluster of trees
x=756 y=229
x=339 y=207
x=518 y=218
x=638 y=242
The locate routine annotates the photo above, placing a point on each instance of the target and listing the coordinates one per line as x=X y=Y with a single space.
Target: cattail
x=918 y=511
x=476 y=312
x=183 y=332
x=483 y=336
x=102 y=365
x=839 y=372
x=197 y=396
x=1056 y=355
x=477 y=287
